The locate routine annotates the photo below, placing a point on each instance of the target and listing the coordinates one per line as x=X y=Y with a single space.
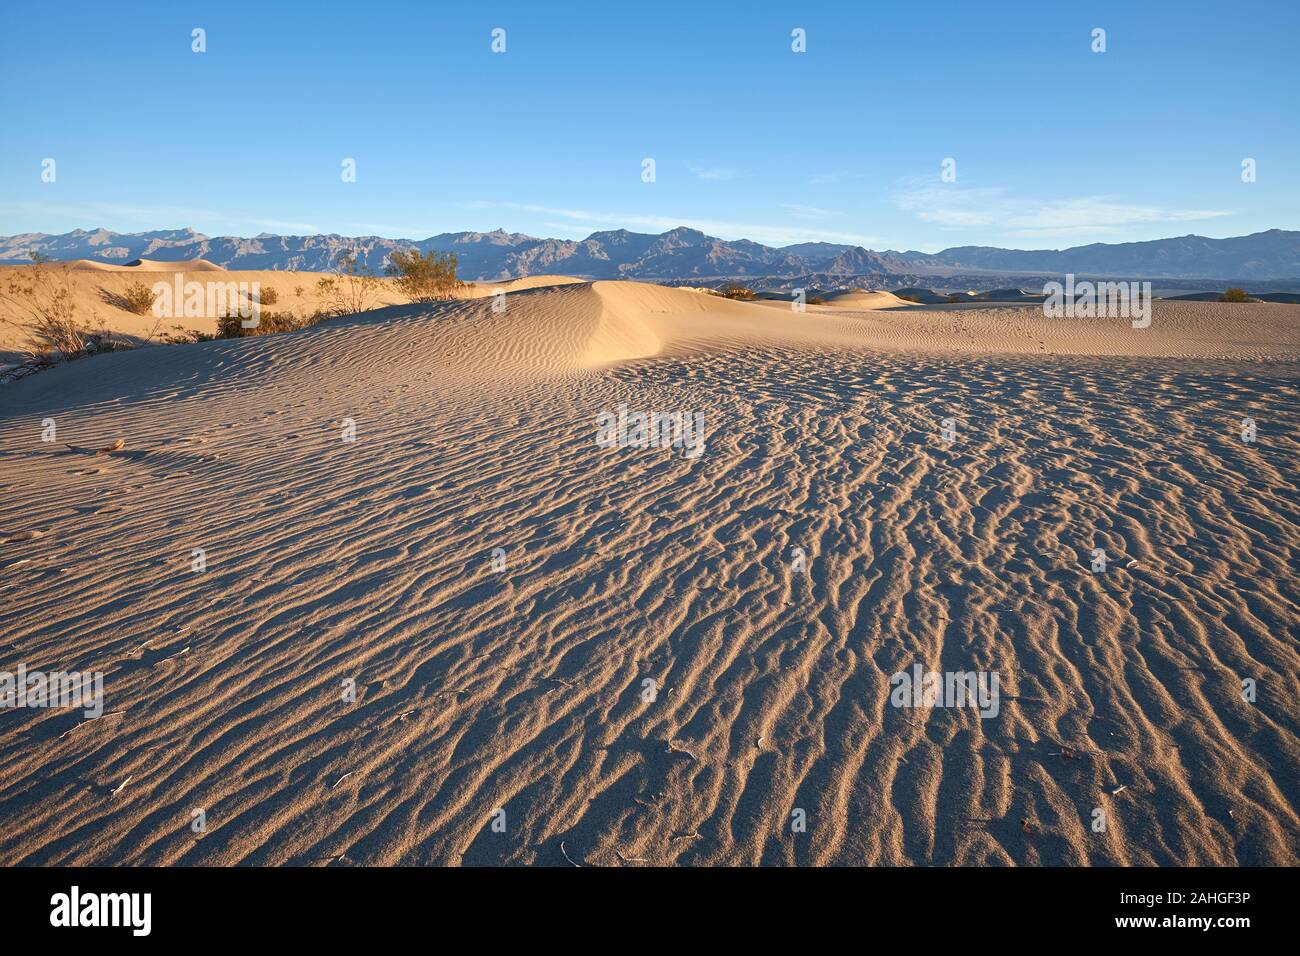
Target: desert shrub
x=327 y=289
x=138 y=299
x=268 y=323
x=268 y=295
x=424 y=277
x=179 y=335
x=734 y=290
x=1234 y=295
x=44 y=295
x=352 y=288
x=231 y=327
x=272 y=322
x=816 y=300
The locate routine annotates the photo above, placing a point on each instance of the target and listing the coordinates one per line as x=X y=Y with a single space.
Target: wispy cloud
x=716 y=173
x=954 y=207
x=766 y=233
x=150 y=218
x=806 y=212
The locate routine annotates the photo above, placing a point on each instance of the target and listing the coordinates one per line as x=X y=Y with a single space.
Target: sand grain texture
x=522 y=689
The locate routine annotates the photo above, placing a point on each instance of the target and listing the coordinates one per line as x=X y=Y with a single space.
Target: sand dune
x=522 y=686
x=477 y=290
x=96 y=289
x=1178 y=330
x=147 y=265
x=859 y=299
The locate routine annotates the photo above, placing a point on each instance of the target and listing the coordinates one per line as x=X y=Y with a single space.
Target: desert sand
x=861 y=299
x=96 y=289
x=515 y=679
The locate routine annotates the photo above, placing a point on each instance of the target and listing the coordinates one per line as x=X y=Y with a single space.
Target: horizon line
x=500 y=230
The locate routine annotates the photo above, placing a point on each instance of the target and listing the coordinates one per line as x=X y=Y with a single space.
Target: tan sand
x=861 y=299
x=525 y=689
x=96 y=288
x=146 y=265
x=477 y=290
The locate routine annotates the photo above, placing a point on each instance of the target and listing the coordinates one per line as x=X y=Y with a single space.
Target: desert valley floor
x=522 y=689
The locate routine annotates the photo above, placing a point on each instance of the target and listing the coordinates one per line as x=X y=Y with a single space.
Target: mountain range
x=680 y=254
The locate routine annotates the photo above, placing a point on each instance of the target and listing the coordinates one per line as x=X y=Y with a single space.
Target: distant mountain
x=817 y=252
x=857 y=261
x=1274 y=254
x=681 y=254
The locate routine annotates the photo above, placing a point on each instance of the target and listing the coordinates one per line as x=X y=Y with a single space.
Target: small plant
x=44 y=294
x=352 y=288
x=138 y=298
x=268 y=295
x=1234 y=295
x=734 y=290
x=816 y=300
x=424 y=277
x=179 y=335
x=268 y=323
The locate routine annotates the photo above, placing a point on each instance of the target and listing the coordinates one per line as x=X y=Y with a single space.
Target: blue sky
x=1054 y=145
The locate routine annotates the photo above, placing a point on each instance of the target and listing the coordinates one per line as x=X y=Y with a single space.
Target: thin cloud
x=152 y=218
x=954 y=207
x=714 y=173
x=805 y=212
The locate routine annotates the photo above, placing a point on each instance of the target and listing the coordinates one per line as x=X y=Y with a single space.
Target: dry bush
x=353 y=288
x=1234 y=295
x=424 y=277
x=138 y=298
x=268 y=295
x=734 y=290
x=268 y=323
x=179 y=335
x=44 y=295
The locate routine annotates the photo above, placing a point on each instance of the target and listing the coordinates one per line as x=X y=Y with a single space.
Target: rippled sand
x=523 y=689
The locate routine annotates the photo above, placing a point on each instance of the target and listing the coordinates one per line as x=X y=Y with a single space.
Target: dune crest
x=482 y=289
x=860 y=299
x=148 y=265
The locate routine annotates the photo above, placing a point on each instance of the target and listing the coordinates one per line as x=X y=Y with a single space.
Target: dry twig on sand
x=90 y=720
x=172 y=657
x=674 y=749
